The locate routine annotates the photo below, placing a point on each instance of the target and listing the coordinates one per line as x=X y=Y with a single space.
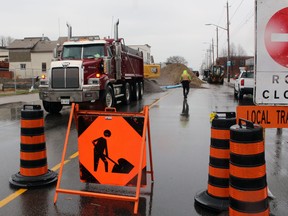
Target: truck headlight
x=43 y=82
x=93 y=81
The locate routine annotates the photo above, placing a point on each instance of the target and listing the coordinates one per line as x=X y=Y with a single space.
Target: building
x=4 y=54
x=250 y=63
x=4 y=64
x=237 y=62
x=146 y=49
x=151 y=70
x=31 y=56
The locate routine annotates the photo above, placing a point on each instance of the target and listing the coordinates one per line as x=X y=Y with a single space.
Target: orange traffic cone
x=248 y=186
x=216 y=197
x=33 y=160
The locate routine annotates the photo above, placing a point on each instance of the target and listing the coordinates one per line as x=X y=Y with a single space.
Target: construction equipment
x=151 y=71
x=216 y=74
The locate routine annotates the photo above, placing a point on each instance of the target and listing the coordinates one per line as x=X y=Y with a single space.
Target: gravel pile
x=151 y=86
x=170 y=75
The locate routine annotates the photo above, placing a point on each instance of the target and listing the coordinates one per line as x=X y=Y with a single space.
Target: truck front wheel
x=52 y=107
x=108 y=99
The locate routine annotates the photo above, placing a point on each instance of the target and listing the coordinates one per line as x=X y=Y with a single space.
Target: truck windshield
x=93 y=51
x=80 y=52
x=71 y=52
x=218 y=70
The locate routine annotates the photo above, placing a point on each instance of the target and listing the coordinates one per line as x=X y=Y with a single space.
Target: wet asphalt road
x=180 y=146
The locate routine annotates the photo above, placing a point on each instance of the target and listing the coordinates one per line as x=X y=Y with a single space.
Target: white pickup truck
x=244 y=84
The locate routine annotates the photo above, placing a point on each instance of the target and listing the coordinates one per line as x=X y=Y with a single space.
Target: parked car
x=244 y=84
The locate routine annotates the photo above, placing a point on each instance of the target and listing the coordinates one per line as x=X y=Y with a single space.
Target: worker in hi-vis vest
x=185 y=79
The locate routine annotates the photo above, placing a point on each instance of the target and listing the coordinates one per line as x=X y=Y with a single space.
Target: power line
x=223 y=15
x=244 y=22
x=236 y=10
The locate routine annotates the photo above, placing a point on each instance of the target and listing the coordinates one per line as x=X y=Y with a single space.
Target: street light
x=228 y=46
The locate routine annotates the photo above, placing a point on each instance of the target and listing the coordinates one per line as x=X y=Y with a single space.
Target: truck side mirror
x=107 y=65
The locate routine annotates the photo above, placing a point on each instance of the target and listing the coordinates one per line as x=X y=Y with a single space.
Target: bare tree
x=241 y=51
x=233 y=51
x=2 y=41
x=176 y=60
x=223 y=52
x=5 y=41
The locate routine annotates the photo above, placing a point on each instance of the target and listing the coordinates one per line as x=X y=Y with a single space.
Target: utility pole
x=228 y=42
x=207 y=58
x=217 y=41
x=212 y=52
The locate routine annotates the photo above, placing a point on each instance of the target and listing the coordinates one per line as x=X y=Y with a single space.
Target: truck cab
x=93 y=70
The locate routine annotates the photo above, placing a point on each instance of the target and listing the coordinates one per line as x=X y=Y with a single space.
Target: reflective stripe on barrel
x=218 y=177
x=248 y=184
x=32 y=123
x=250 y=148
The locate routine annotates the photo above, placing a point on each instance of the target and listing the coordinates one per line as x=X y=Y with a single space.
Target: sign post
x=271 y=53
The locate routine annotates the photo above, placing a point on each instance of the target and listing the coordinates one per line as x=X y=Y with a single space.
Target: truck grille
x=65 y=77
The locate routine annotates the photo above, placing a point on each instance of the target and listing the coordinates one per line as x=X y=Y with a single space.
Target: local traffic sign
x=266 y=116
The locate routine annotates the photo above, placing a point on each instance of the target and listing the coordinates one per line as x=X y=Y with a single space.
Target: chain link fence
x=10 y=82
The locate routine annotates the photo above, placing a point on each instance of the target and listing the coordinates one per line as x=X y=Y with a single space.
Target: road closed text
x=276 y=94
x=266 y=116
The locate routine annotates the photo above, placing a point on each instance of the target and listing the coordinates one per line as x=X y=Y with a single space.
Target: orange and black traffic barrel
x=216 y=197
x=33 y=160
x=248 y=186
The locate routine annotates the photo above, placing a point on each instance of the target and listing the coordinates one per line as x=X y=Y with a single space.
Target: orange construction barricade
x=216 y=197
x=248 y=186
x=112 y=151
x=33 y=160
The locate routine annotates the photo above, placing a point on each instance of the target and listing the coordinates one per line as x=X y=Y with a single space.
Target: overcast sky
x=170 y=27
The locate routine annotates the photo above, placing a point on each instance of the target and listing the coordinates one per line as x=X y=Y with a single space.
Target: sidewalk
x=25 y=98
x=29 y=98
x=231 y=83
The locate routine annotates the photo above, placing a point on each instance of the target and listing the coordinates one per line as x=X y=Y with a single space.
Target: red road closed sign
x=266 y=116
x=271 y=53
x=276 y=37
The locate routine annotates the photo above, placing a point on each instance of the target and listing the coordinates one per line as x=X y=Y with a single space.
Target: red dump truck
x=93 y=70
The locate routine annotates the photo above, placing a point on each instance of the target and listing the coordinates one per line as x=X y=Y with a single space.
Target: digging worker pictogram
x=185 y=79
x=100 y=146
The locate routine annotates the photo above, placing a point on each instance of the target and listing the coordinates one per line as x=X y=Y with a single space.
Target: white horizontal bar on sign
x=279 y=37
